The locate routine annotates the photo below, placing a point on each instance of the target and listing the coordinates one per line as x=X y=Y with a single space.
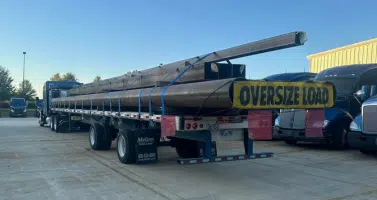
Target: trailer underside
x=138 y=135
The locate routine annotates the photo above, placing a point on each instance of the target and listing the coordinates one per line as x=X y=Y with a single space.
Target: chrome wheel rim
x=92 y=135
x=121 y=146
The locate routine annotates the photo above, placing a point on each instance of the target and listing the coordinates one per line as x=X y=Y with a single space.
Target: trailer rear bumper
x=358 y=140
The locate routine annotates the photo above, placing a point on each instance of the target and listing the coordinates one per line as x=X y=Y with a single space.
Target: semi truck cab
x=363 y=128
x=329 y=125
x=53 y=89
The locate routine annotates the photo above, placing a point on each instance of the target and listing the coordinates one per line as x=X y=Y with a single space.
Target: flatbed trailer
x=141 y=123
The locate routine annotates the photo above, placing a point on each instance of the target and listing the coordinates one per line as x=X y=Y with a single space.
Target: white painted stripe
x=241 y=157
x=218 y=159
x=252 y=156
x=263 y=155
x=193 y=161
x=205 y=160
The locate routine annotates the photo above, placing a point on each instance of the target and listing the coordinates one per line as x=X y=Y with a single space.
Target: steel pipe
x=213 y=94
x=149 y=77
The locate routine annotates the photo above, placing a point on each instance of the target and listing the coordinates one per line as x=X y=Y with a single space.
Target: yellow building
x=359 y=53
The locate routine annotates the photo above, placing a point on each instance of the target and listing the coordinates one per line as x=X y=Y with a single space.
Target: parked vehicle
x=329 y=125
x=17 y=107
x=188 y=105
x=52 y=89
x=363 y=129
x=287 y=77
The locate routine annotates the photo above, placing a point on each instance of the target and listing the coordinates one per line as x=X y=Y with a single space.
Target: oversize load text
x=283 y=96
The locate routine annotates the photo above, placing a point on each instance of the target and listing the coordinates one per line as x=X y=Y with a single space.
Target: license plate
x=75 y=117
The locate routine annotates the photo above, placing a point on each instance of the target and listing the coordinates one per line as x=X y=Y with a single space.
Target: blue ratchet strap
x=139 y=101
x=150 y=94
x=103 y=103
x=174 y=80
x=91 y=103
x=126 y=88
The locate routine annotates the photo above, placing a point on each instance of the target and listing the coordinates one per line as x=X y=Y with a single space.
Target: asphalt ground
x=36 y=163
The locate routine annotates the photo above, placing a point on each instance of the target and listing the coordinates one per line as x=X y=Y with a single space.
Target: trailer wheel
x=125 y=147
x=97 y=138
x=187 y=148
x=52 y=123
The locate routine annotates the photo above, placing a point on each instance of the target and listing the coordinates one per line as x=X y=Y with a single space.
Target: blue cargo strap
x=139 y=101
x=151 y=90
x=124 y=89
x=128 y=86
x=174 y=80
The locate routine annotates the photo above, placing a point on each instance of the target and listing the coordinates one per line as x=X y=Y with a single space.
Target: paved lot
x=36 y=163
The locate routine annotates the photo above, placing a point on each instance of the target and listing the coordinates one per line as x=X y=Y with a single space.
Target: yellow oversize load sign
x=268 y=95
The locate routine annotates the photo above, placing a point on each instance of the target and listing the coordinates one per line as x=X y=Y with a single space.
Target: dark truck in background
x=53 y=89
x=329 y=125
x=17 y=107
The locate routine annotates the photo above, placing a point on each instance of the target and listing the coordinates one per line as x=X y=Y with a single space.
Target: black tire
x=367 y=152
x=98 y=139
x=52 y=123
x=290 y=142
x=125 y=147
x=57 y=127
x=340 y=140
x=187 y=148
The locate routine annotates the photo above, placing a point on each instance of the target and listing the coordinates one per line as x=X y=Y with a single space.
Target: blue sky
x=108 y=38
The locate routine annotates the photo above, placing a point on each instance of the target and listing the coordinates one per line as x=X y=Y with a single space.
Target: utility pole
x=23 y=77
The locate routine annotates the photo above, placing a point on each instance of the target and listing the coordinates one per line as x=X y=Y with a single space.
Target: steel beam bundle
x=199 y=72
x=207 y=94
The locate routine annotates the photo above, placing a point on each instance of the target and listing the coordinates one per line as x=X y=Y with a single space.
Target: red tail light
x=188 y=126
x=194 y=125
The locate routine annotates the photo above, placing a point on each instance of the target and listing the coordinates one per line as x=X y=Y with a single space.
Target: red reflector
x=188 y=126
x=194 y=125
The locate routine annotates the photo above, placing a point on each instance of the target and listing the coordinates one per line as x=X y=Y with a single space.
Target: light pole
x=23 y=76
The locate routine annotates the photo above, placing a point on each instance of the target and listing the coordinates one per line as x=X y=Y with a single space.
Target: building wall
x=359 y=53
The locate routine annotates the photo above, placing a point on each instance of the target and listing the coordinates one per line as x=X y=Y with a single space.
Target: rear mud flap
x=314 y=123
x=260 y=124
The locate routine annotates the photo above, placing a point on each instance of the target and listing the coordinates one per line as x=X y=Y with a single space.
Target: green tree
x=26 y=91
x=96 y=79
x=56 y=77
x=69 y=76
x=6 y=87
